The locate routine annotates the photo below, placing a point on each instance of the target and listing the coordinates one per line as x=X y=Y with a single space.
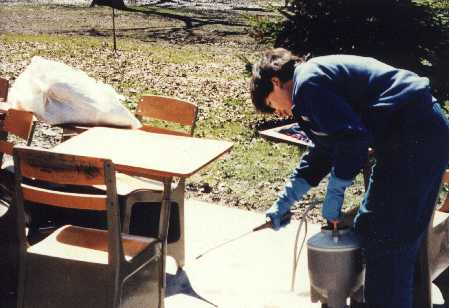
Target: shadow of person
x=179 y=284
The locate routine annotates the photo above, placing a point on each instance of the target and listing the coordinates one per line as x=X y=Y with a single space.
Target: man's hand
x=334 y=197
x=275 y=214
x=278 y=220
x=293 y=192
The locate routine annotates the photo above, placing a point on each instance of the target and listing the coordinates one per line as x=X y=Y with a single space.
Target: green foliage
x=437 y=4
x=402 y=33
x=446 y=107
x=265 y=28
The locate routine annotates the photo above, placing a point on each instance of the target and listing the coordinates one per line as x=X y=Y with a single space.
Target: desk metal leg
x=163 y=233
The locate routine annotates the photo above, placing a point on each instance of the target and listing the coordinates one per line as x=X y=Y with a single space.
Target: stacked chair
x=16 y=126
x=77 y=266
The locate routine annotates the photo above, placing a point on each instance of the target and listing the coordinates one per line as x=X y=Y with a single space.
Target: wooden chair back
x=167 y=109
x=36 y=166
x=19 y=123
x=4 y=86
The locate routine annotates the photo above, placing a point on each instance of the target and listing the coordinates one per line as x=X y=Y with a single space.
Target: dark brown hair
x=278 y=62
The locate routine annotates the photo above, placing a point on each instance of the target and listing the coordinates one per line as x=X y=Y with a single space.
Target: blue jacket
x=346 y=104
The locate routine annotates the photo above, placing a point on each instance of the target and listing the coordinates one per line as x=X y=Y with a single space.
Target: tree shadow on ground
x=197 y=18
x=195 y=27
x=177 y=35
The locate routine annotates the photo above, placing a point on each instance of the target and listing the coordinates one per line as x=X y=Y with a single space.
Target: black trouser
x=399 y=202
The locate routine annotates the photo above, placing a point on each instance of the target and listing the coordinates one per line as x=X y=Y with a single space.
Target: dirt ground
x=209 y=22
x=192 y=22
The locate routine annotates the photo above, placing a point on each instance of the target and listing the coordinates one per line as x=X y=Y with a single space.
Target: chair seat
x=126 y=184
x=88 y=245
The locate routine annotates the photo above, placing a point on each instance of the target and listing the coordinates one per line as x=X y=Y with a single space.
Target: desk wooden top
x=142 y=153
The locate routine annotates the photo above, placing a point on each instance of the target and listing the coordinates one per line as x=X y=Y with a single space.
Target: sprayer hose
x=296 y=252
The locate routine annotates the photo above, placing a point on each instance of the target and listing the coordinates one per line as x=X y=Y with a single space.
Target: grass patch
x=212 y=76
x=252 y=175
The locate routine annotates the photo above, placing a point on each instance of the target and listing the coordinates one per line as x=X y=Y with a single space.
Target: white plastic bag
x=57 y=93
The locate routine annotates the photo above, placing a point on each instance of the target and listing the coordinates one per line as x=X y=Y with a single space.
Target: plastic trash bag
x=59 y=94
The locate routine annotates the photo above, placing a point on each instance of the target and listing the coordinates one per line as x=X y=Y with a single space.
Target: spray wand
x=285 y=219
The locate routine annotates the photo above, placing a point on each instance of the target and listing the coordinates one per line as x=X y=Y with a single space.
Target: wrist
x=293 y=191
x=337 y=183
x=280 y=207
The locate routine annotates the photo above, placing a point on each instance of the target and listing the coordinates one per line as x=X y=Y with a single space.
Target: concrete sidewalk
x=253 y=271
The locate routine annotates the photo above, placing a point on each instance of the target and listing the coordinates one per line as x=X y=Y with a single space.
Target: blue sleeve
x=293 y=191
x=336 y=118
x=314 y=165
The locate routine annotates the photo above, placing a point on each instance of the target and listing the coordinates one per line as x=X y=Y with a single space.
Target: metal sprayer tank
x=336 y=269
